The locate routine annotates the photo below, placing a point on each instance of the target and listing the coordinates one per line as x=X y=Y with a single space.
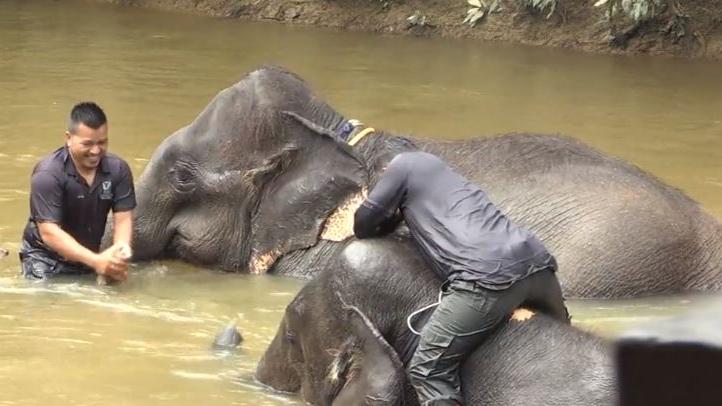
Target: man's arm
x=64 y=244
x=368 y=222
x=123 y=228
x=379 y=213
x=123 y=205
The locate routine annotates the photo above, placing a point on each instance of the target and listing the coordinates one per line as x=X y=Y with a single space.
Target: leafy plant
x=475 y=13
x=541 y=5
x=417 y=20
x=478 y=10
x=637 y=10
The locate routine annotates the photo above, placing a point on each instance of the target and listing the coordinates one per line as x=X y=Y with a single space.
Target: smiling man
x=72 y=190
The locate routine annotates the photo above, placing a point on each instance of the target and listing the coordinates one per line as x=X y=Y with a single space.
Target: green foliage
x=637 y=10
x=542 y=6
x=416 y=20
x=476 y=12
x=478 y=9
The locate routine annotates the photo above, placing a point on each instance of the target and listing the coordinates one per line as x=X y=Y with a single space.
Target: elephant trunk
x=150 y=223
x=709 y=276
x=716 y=263
x=273 y=369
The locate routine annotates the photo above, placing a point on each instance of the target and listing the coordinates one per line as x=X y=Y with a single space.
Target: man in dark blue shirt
x=72 y=190
x=491 y=266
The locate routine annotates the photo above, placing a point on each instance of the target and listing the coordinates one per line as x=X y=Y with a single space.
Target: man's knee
x=34 y=266
x=417 y=370
x=443 y=402
x=35 y=270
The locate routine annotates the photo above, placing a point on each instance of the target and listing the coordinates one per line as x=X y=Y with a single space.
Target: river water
x=147 y=342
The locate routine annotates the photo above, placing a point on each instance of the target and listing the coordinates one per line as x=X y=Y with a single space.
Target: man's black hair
x=87 y=113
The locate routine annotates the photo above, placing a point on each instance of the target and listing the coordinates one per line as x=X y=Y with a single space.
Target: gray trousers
x=466 y=315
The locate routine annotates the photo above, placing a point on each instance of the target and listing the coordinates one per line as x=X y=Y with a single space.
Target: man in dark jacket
x=490 y=265
x=71 y=192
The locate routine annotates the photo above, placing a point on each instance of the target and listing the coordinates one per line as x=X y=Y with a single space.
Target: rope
x=409 y=319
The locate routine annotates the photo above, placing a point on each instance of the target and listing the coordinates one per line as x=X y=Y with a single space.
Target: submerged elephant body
x=260 y=180
x=344 y=341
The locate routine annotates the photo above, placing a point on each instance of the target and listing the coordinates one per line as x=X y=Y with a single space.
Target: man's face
x=87 y=146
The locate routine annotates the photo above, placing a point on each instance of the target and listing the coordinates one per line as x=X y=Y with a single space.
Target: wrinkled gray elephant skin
x=260 y=176
x=344 y=341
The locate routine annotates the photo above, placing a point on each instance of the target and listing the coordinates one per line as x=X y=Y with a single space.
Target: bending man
x=490 y=265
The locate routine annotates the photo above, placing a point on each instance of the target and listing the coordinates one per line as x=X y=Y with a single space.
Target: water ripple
x=126 y=308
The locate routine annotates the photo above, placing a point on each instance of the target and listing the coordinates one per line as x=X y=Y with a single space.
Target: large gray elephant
x=261 y=181
x=344 y=341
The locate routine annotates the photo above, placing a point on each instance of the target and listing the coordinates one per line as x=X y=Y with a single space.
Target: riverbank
x=691 y=28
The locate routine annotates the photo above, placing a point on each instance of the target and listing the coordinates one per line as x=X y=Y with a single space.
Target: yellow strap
x=358 y=137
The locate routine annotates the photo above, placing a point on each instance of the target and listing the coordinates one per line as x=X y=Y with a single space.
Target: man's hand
x=113 y=262
x=123 y=251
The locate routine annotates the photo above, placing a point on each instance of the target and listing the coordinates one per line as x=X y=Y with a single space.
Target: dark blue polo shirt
x=460 y=231
x=58 y=194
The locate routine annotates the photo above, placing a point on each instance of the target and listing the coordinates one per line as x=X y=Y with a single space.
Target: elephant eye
x=291 y=336
x=182 y=178
x=295 y=350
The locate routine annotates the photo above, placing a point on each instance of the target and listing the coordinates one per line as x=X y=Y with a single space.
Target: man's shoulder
x=53 y=163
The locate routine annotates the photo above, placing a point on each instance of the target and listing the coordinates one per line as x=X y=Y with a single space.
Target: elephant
x=262 y=181
x=344 y=340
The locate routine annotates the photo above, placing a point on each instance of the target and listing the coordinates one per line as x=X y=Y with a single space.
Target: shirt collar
x=68 y=163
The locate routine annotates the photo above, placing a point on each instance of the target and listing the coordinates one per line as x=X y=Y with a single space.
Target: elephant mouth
x=280 y=388
x=178 y=244
x=337 y=227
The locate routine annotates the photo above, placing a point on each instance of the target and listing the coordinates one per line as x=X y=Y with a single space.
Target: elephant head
x=355 y=366
x=254 y=176
x=365 y=370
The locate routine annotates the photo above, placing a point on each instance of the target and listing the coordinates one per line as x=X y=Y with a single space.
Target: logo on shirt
x=106 y=193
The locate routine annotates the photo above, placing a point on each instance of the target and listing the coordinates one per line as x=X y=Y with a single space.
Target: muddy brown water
x=147 y=342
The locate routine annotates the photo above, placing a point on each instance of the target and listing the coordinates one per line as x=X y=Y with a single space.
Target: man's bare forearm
x=123 y=227
x=65 y=245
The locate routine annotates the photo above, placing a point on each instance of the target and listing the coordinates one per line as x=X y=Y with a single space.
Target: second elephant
x=344 y=341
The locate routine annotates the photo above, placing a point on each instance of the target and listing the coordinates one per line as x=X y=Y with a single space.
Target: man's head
x=87 y=135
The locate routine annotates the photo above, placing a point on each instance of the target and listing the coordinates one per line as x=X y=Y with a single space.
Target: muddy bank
x=691 y=28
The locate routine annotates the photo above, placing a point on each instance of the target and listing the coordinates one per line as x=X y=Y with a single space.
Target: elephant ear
x=300 y=187
x=365 y=370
